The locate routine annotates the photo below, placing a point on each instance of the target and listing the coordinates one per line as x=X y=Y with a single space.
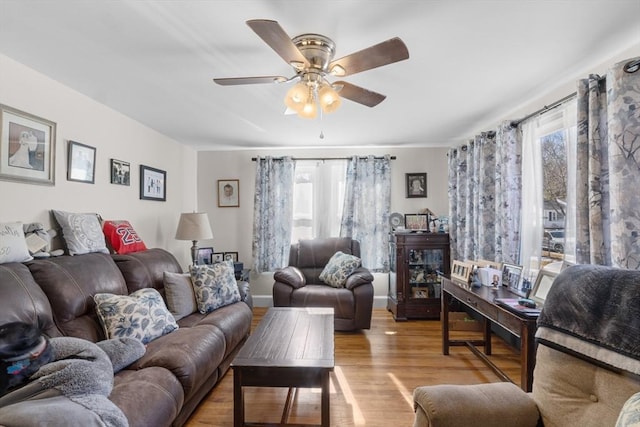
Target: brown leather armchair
x=299 y=285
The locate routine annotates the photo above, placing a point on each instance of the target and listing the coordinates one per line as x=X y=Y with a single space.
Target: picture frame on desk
x=204 y=256
x=217 y=257
x=540 y=289
x=231 y=256
x=461 y=271
x=512 y=278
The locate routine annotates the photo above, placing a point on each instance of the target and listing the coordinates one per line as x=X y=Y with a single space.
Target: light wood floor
x=375 y=374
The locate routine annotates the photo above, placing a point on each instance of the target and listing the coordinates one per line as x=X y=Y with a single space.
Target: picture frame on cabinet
x=153 y=184
x=81 y=162
x=416 y=222
x=27 y=147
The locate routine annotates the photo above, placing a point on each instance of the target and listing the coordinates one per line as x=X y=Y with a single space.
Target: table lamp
x=194 y=226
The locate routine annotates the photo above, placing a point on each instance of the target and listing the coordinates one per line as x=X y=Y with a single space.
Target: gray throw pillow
x=178 y=291
x=82 y=233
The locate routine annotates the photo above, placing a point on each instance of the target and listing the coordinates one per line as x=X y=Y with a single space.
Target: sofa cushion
x=339 y=267
x=141 y=315
x=13 y=245
x=214 y=285
x=342 y=300
x=122 y=237
x=178 y=290
x=145 y=269
x=81 y=232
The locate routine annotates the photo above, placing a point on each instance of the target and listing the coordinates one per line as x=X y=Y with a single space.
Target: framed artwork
x=231 y=256
x=204 y=256
x=81 y=162
x=217 y=257
x=416 y=222
x=543 y=284
x=416 y=185
x=153 y=184
x=120 y=172
x=228 y=193
x=27 y=147
x=512 y=278
x=461 y=270
x=419 y=292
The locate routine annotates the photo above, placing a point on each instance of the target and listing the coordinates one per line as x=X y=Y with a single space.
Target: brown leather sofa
x=178 y=369
x=299 y=285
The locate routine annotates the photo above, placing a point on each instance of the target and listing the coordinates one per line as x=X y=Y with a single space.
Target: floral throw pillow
x=630 y=413
x=141 y=315
x=339 y=267
x=214 y=285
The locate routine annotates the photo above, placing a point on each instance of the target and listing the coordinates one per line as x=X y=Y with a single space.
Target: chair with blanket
x=587 y=371
x=327 y=273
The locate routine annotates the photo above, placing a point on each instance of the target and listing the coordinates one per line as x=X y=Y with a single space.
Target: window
x=548 y=170
x=318 y=198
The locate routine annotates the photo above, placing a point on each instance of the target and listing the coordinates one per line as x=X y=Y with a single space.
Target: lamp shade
x=194 y=226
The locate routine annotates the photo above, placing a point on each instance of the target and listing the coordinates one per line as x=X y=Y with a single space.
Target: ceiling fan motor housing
x=317 y=49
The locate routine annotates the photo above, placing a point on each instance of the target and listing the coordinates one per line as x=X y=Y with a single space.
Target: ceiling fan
x=311 y=56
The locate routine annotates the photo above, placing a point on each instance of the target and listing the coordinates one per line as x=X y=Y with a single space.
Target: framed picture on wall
x=120 y=172
x=416 y=185
x=153 y=184
x=228 y=193
x=81 y=163
x=27 y=147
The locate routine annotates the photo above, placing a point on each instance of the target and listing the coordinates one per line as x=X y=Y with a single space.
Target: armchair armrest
x=359 y=277
x=480 y=405
x=291 y=276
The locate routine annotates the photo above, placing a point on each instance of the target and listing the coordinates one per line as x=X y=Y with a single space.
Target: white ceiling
x=472 y=62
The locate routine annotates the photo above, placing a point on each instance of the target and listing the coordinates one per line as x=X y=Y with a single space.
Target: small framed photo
x=120 y=172
x=461 y=271
x=231 y=256
x=416 y=222
x=217 y=257
x=420 y=292
x=81 y=162
x=543 y=284
x=416 y=185
x=512 y=278
x=228 y=193
x=27 y=147
x=153 y=184
x=204 y=256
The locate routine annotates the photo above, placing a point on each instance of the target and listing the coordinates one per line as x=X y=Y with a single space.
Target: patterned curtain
x=485 y=196
x=366 y=211
x=273 y=213
x=607 y=217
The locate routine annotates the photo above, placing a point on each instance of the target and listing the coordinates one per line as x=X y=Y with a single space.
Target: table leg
x=487 y=335
x=238 y=399
x=527 y=356
x=445 y=301
x=325 y=410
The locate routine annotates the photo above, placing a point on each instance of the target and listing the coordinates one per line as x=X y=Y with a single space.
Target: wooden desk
x=291 y=347
x=481 y=300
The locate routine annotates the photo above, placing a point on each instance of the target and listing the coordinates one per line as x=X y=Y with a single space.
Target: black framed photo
x=416 y=222
x=27 y=147
x=512 y=278
x=153 y=184
x=416 y=185
x=217 y=257
x=231 y=256
x=81 y=162
x=204 y=256
x=120 y=172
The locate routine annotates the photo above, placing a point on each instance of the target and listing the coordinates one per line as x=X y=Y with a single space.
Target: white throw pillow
x=214 y=285
x=82 y=233
x=141 y=315
x=13 y=245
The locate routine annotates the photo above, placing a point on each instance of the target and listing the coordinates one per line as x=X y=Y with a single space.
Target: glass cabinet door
x=424 y=264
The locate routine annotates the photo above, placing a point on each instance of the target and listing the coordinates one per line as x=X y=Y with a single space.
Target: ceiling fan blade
x=387 y=52
x=273 y=35
x=232 y=81
x=358 y=94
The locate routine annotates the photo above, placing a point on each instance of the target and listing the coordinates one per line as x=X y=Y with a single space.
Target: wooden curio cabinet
x=414 y=283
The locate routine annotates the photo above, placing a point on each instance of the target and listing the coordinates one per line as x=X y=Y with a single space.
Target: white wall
x=114 y=135
x=233 y=227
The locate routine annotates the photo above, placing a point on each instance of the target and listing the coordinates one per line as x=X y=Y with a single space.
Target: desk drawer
x=475 y=302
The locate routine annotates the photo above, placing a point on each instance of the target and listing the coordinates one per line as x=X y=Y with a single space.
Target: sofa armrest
x=359 y=277
x=291 y=276
x=481 y=405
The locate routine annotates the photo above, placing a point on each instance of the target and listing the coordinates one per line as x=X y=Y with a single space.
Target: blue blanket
x=597 y=308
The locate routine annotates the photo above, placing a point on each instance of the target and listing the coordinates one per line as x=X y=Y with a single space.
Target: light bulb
x=329 y=99
x=296 y=97
x=309 y=110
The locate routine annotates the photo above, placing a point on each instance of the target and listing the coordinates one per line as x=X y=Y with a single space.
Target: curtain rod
x=253 y=159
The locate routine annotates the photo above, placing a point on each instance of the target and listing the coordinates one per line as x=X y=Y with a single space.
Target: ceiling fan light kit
x=311 y=57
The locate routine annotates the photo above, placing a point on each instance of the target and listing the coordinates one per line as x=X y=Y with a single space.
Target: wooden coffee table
x=291 y=347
